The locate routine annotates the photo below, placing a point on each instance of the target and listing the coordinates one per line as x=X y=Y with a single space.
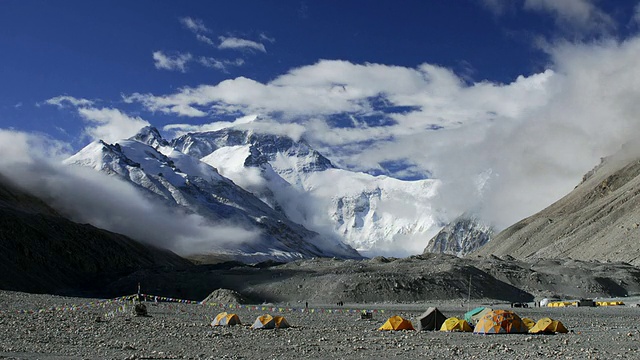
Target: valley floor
x=49 y=327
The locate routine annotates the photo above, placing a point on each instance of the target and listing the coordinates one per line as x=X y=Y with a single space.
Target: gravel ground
x=179 y=331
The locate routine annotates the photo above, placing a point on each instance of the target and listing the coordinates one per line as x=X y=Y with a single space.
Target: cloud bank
x=503 y=150
x=108 y=124
x=87 y=196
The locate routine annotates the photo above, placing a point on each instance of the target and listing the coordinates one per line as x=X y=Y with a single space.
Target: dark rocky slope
x=43 y=252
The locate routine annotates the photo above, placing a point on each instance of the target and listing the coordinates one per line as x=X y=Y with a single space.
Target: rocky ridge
x=460 y=237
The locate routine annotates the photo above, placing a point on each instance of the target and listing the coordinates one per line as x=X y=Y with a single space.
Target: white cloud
x=106 y=124
x=167 y=62
x=240 y=44
x=20 y=147
x=222 y=65
x=332 y=87
x=184 y=110
x=195 y=25
x=61 y=100
x=267 y=38
x=110 y=124
x=204 y=39
x=504 y=150
x=181 y=129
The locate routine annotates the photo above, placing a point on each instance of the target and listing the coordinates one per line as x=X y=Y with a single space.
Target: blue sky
x=484 y=94
x=100 y=50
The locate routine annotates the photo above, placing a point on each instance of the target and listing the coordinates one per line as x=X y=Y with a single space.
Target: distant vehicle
x=519 y=305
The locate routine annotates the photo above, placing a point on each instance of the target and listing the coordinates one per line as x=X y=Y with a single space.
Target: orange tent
x=397 y=323
x=500 y=322
x=270 y=322
x=224 y=319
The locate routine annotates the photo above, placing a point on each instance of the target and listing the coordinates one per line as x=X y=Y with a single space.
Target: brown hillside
x=598 y=220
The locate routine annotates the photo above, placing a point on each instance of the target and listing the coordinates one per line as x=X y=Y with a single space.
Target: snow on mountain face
x=460 y=237
x=291 y=159
x=377 y=215
x=181 y=181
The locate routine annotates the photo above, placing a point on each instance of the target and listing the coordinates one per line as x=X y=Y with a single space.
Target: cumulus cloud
x=87 y=196
x=235 y=43
x=106 y=124
x=110 y=124
x=168 y=62
x=502 y=150
x=436 y=94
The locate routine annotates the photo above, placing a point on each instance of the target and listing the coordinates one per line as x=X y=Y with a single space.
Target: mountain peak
x=151 y=136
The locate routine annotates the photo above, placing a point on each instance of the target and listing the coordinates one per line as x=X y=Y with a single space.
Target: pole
x=469 y=294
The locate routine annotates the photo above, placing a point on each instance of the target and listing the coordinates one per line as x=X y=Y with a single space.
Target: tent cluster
x=270 y=322
x=583 y=302
x=262 y=322
x=479 y=321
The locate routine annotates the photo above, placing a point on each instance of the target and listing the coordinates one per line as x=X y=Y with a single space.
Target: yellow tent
x=548 y=326
x=609 y=303
x=397 y=323
x=224 y=319
x=455 y=324
x=500 y=322
x=529 y=323
x=270 y=322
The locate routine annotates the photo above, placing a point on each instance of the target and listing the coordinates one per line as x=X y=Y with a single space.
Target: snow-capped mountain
x=460 y=237
x=190 y=185
x=374 y=214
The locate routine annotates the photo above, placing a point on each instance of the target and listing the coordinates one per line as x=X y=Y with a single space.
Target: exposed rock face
x=598 y=220
x=460 y=237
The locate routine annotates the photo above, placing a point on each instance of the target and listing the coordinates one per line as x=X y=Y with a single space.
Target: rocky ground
x=179 y=331
x=417 y=278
